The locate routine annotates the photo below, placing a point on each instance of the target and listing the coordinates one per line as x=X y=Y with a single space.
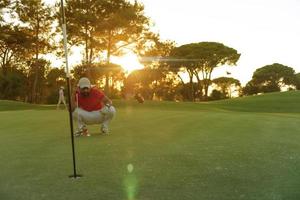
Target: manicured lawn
x=246 y=148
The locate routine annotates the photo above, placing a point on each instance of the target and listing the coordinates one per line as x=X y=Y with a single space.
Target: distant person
x=61 y=97
x=139 y=98
x=92 y=107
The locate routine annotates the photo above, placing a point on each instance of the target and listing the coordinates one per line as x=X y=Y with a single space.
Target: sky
x=263 y=31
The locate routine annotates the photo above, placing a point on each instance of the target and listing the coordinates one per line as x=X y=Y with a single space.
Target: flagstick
x=74 y=175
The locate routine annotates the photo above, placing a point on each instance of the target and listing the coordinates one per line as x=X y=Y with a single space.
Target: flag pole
x=74 y=175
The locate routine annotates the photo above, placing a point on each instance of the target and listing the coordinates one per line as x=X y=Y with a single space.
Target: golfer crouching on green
x=92 y=107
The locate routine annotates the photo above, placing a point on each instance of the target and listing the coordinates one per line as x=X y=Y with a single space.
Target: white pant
x=61 y=100
x=103 y=116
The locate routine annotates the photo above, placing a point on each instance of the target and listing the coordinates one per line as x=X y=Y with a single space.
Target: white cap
x=84 y=83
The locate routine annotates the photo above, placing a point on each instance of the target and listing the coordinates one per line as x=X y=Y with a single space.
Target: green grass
x=6 y=105
x=245 y=148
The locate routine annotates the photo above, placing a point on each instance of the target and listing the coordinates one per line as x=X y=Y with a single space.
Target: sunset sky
x=263 y=31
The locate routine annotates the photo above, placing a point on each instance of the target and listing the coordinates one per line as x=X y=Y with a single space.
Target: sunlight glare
x=129 y=62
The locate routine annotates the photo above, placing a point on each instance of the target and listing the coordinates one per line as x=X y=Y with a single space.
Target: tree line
x=30 y=29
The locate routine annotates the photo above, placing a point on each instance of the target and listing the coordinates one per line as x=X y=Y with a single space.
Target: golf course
x=243 y=148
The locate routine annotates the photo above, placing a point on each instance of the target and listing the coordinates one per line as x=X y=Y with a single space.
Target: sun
x=129 y=62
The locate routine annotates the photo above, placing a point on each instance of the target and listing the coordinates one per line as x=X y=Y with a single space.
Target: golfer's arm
x=106 y=100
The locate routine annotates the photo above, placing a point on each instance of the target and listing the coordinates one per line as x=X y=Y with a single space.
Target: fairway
x=245 y=148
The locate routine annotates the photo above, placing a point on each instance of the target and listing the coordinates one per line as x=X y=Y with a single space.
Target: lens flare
x=130 y=168
x=130 y=183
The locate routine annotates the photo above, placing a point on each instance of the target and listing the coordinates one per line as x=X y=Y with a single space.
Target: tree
x=55 y=78
x=14 y=45
x=97 y=73
x=123 y=26
x=179 y=62
x=37 y=18
x=12 y=85
x=250 y=88
x=3 y=4
x=105 y=27
x=297 y=81
x=226 y=84
x=37 y=72
x=82 y=18
x=217 y=95
x=91 y=71
x=161 y=80
x=271 y=78
x=152 y=48
x=200 y=59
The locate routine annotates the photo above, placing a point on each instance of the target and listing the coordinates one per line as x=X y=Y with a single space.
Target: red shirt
x=92 y=102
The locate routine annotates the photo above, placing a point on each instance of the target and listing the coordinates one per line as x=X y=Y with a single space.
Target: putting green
x=246 y=148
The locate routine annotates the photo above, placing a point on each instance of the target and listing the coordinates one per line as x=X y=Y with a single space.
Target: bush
x=52 y=98
x=216 y=95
